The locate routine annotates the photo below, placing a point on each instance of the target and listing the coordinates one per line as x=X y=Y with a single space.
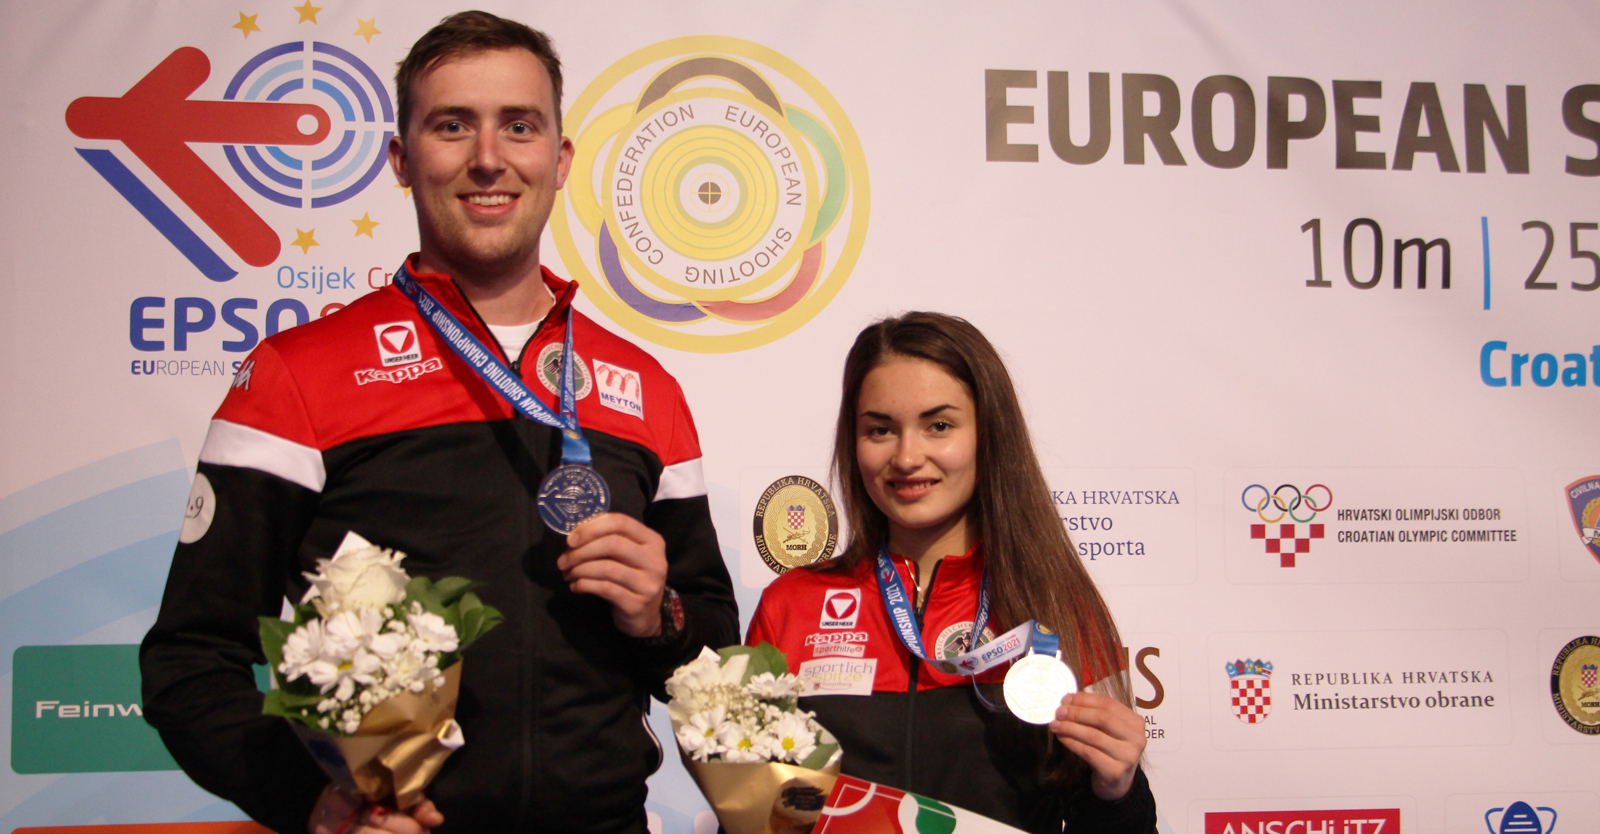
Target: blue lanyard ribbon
x=904 y=620
x=504 y=381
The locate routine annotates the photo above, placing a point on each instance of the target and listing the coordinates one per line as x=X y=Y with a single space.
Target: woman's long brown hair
x=1033 y=568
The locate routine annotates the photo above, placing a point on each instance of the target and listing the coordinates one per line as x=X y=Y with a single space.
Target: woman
x=935 y=461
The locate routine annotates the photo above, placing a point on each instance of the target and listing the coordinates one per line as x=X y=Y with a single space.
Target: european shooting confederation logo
x=718 y=199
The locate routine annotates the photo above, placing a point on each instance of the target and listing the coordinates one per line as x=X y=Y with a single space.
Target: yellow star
x=307 y=12
x=368 y=28
x=365 y=225
x=305 y=241
x=246 y=24
x=405 y=193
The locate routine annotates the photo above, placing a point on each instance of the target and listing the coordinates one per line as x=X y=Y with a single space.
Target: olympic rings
x=1287 y=507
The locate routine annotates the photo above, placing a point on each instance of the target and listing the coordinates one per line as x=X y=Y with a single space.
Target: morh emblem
x=795 y=523
x=1250 y=690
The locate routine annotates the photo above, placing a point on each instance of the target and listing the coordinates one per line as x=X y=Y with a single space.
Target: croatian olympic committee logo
x=1286 y=515
x=1583 y=499
x=1250 y=690
x=718 y=199
x=304 y=125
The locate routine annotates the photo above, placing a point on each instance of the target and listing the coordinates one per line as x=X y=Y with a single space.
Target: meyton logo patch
x=840 y=608
x=620 y=389
x=397 y=343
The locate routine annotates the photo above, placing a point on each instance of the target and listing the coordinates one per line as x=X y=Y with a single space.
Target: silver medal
x=570 y=495
x=1035 y=686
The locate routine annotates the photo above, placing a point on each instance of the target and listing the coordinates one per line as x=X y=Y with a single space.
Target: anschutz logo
x=76 y=709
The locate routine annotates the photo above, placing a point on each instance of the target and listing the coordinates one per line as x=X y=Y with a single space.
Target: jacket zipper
x=916 y=666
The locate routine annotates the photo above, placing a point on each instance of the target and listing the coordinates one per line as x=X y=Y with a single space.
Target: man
x=368 y=421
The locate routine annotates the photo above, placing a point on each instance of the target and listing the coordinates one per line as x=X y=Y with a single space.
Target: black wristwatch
x=671 y=617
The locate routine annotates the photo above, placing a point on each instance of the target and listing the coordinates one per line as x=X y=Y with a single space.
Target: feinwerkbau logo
x=76 y=709
x=304 y=124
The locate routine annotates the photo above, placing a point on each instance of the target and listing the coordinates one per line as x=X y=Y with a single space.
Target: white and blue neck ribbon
x=504 y=381
x=978 y=658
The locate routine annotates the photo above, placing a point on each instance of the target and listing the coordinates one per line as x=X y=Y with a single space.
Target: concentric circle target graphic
x=718 y=197
x=356 y=101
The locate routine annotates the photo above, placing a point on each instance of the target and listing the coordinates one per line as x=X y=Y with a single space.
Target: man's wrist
x=671 y=618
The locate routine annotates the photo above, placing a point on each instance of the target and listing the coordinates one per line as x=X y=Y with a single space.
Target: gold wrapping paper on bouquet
x=399 y=747
x=764 y=798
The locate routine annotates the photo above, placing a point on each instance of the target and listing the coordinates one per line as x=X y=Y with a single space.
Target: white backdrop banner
x=1301 y=301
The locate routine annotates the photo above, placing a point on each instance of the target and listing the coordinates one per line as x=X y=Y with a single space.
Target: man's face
x=484 y=160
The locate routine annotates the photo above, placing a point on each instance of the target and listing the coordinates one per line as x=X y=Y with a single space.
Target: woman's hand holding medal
x=617 y=558
x=1106 y=734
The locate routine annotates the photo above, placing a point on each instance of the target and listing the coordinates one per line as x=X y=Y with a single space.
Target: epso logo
x=718 y=199
x=397 y=343
x=840 y=608
x=303 y=125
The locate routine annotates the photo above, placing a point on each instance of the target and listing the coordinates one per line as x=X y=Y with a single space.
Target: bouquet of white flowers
x=765 y=765
x=368 y=670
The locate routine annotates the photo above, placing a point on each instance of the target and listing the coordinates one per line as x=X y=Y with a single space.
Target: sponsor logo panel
x=1575 y=684
x=1579 y=505
x=1288 y=690
x=1131 y=526
x=1375 y=525
x=1152 y=663
x=1304 y=815
x=77 y=709
x=795 y=523
x=778 y=535
x=719 y=199
x=1529 y=812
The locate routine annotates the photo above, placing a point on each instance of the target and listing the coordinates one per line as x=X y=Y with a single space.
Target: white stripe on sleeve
x=682 y=480
x=233 y=444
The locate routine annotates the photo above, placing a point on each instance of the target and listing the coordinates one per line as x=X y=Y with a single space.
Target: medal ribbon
x=976 y=659
x=503 y=380
x=1045 y=642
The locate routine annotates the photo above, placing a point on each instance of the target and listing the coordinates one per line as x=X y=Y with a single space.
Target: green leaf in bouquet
x=451 y=588
x=292 y=705
x=820 y=756
x=474 y=618
x=274 y=633
x=764 y=658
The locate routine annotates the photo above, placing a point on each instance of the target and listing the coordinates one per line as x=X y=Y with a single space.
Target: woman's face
x=917 y=448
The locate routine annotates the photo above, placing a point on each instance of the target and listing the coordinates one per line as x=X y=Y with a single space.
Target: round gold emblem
x=795 y=523
x=1575 y=684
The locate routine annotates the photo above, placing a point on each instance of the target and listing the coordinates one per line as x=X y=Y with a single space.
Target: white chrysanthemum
x=303 y=648
x=737 y=744
x=768 y=686
x=433 y=634
x=698 y=735
x=791 y=740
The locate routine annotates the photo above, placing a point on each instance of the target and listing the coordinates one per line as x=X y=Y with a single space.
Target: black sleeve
x=199 y=689
x=696 y=571
x=1134 y=813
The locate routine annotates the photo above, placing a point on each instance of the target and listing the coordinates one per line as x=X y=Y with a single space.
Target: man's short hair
x=464 y=33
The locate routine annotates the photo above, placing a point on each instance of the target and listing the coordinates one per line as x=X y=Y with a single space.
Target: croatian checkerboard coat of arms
x=1250 y=690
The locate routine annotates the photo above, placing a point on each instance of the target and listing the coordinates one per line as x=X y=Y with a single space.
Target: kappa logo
x=620 y=389
x=840 y=607
x=397 y=343
x=398 y=375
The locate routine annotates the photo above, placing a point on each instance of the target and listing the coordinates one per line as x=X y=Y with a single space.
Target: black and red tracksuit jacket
x=366 y=421
x=920 y=729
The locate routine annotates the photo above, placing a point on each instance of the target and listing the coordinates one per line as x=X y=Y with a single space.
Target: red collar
x=445 y=288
